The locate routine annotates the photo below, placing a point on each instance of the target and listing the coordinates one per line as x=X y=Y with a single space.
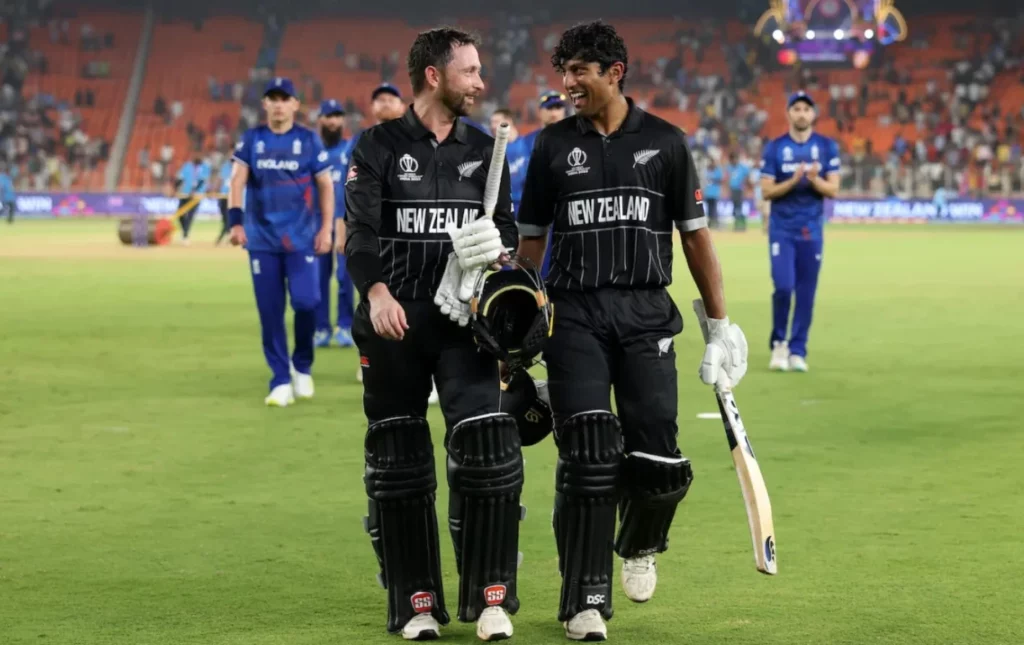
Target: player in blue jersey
x=277 y=165
x=8 y=198
x=799 y=170
x=332 y=130
x=191 y=182
x=552 y=110
x=222 y=189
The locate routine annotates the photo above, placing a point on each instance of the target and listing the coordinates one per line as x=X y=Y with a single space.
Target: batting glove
x=447 y=296
x=477 y=244
x=725 y=358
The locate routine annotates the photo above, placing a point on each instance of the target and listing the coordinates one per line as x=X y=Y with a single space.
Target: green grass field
x=148 y=497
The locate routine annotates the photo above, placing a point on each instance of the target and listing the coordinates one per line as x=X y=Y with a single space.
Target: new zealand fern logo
x=643 y=156
x=467 y=169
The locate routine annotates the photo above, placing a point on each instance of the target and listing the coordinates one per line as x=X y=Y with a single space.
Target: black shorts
x=397 y=374
x=617 y=338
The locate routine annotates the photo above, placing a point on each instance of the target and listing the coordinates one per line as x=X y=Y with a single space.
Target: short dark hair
x=592 y=42
x=433 y=48
x=505 y=112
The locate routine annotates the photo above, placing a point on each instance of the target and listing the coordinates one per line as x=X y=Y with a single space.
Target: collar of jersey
x=634 y=119
x=416 y=130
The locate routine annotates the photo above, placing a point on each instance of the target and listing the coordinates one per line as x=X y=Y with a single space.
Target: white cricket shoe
x=797 y=363
x=433 y=398
x=303 y=385
x=280 y=397
x=780 y=356
x=639 y=577
x=586 y=626
x=494 y=624
x=422 y=627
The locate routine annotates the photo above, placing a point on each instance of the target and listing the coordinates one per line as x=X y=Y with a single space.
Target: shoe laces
x=643 y=564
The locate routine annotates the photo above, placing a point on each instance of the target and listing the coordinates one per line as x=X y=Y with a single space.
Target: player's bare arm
x=239 y=177
x=827 y=186
x=325 y=190
x=771 y=189
x=362 y=244
x=536 y=212
x=339 y=236
x=702 y=260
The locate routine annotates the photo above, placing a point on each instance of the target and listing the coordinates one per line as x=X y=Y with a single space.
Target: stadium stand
x=943 y=110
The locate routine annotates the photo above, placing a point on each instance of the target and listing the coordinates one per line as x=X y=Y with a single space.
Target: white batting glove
x=725 y=359
x=478 y=244
x=448 y=289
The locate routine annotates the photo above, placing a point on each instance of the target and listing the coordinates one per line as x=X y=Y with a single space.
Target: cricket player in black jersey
x=611 y=183
x=415 y=184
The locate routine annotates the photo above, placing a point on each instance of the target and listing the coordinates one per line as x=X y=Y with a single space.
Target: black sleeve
x=503 y=218
x=362 y=214
x=685 y=200
x=537 y=208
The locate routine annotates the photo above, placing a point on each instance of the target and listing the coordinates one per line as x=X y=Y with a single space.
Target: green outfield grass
x=148 y=497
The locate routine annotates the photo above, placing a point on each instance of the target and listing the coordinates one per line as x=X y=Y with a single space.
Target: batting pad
x=402 y=522
x=586 y=494
x=485 y=480
x=654 y=487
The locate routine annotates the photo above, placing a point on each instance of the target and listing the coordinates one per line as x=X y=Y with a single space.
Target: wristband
x=235 y=216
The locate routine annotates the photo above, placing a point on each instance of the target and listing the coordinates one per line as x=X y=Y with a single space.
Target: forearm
x=326 y=194
x=705 y=269
x=532 y=248
x=362 y=250
x=339 y=228
x=826 y=187
x=776 y=190
x=235 y=191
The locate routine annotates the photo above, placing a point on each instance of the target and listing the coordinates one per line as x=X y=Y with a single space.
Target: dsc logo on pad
x=494 y=595
x=422 y=602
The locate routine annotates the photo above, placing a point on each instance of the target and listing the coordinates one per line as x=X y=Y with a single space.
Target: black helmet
x=510 y=314
x=527 y=400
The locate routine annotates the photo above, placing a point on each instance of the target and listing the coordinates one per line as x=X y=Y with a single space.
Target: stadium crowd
x=955 y=137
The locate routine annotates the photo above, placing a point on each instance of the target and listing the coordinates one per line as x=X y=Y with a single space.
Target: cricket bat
x=491 y=189
x=755 y=493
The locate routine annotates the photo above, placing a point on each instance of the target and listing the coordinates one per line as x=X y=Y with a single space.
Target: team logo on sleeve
x=467 y=169
x=322 y=156
x=239 y=146
x=353 y=171
x=576 y=160
x=643 y=156
x=698 y=196
x=408 y=166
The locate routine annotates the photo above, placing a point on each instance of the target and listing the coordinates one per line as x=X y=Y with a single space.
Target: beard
x=330 y=137
x=455 y=101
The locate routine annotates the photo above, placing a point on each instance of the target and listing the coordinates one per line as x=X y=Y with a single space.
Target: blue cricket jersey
x=801 y=211
x=517 y=154
x=225 y=176
x=338 y=155
x=280 y=215
x=6 y=188
x=194 y=177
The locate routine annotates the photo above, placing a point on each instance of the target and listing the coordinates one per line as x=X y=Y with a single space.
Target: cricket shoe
x=422 y=627
x=494 y=625
x=280 y=397
x=586 y=626
x=639 y=577
x=343 y=337
x=797 y=363
x=303 y=384
x=780 y=356
x=322 y=338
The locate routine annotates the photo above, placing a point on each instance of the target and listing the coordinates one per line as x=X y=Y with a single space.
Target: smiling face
x=459 y=84
x=589 y=89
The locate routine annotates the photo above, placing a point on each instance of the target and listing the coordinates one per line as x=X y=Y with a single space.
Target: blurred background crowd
x=117 y=96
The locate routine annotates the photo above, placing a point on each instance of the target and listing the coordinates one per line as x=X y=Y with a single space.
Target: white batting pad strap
x=657 y=458
x=482 y=416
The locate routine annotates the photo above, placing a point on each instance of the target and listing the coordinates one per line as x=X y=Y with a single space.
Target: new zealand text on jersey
x=432 y=220
x=618 y=208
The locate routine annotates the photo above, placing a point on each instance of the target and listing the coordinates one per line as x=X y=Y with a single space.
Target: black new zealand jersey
x=402 y=190
x=611 y=201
